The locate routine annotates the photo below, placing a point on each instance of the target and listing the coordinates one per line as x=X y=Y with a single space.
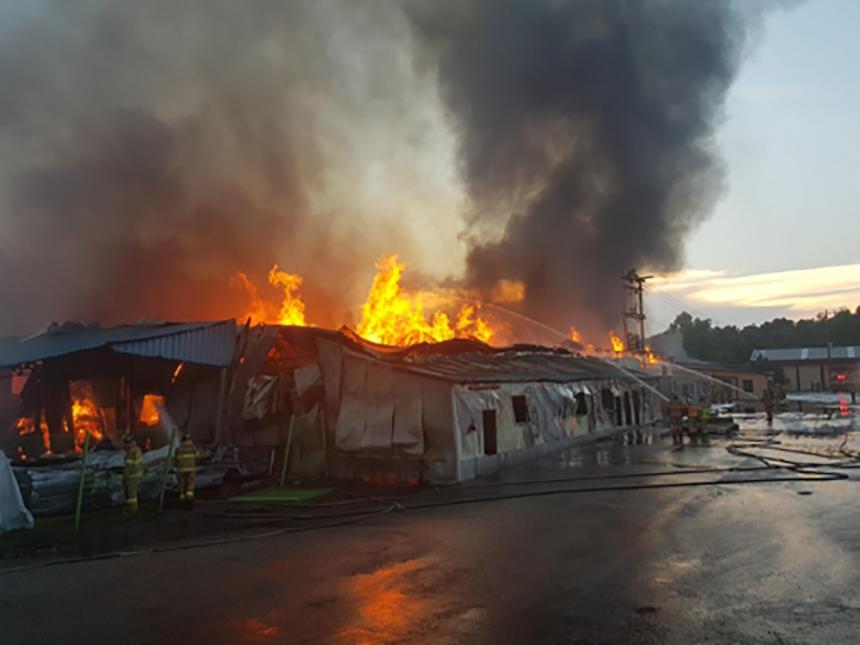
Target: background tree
x=731 y=345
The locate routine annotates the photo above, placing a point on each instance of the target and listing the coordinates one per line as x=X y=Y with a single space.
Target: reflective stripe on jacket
x=186 y=458
x=133 y=468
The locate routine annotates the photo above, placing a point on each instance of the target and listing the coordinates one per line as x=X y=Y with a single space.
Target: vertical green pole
x=166 y=470
x=80 y=503
x=287 y=450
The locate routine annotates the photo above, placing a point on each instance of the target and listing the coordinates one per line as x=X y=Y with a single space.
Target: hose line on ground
x=803 y=472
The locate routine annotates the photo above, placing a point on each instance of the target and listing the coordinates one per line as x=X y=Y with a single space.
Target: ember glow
x=392 y=316
x=575 y=336
x=507 y=292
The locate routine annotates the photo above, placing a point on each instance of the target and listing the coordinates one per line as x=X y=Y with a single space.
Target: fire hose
x=801 y=472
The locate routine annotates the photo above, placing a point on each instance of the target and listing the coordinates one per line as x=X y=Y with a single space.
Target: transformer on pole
x=633 y=310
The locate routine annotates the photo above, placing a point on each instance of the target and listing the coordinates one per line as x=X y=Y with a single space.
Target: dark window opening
x=581 y=405
x=607 y=400
x=748 y=385
x=637 y=406
x=488 y=417
x=628 y=415
x=521 y=408
x=618 y=411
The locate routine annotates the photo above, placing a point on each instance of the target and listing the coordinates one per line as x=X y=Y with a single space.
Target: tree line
x=733 y=345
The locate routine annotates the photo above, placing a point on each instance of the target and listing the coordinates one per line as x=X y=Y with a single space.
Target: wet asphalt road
x=763 y=563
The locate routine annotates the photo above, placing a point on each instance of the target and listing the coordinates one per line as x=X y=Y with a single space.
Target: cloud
x=797 y=292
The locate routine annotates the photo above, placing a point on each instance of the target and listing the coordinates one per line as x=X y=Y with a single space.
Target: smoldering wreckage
x=328 y=402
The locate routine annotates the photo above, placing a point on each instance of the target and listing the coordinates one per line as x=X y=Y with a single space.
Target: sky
x=784 y=239
x=780 y=242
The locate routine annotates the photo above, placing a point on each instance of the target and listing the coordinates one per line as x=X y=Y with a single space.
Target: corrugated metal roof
x=798 y=354
x=207 y=343
x=507 y=366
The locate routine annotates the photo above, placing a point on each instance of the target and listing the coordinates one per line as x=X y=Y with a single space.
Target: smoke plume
x=585 y=137
x=150 y=150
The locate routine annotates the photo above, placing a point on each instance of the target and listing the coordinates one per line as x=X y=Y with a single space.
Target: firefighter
x=768 y=399
x=704 y=416
x=676 y=414
x=186 y=467
x=693 y=420
x=132 y=472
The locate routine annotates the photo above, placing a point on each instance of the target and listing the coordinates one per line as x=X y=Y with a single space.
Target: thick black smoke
x=150 y=150
x=586 y=137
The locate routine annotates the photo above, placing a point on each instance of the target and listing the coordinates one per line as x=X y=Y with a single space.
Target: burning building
x=446 y=411
x=73 y=383
x=318 y=401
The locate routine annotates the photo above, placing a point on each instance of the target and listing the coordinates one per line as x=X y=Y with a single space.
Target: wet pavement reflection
x=765 y=562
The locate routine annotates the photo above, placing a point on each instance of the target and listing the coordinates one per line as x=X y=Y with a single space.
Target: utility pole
x=633 y=310
x=827 y=378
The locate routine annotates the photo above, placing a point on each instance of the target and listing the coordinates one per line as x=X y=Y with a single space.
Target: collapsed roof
x=205 y=343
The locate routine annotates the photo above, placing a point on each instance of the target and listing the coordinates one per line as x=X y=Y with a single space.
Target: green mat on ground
x=284 y=495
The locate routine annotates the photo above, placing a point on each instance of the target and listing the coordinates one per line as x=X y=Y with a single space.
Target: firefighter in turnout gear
x=704 y=417
x=768 y=399
x=132 y=472
x=693 y=420
x=676 y=415
x=186 y=467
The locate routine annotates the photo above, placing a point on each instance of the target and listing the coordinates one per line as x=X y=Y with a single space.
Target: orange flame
x=86 y=416
x=650 y=357
x=149 y=409
x=292 y=308
x=575 y=336
x=617 y=343
x=257 y=308
x=25 y=425
x=392 y=316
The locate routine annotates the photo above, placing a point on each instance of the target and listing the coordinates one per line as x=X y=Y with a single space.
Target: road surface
x=775 y=562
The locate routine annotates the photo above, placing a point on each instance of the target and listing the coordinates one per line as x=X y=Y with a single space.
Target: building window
x=521 y=408
x=607 y=399
x=748 y=385
x=581 y=405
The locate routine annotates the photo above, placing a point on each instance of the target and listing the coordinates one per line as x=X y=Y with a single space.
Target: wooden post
x=287 y=450
x=80 y=503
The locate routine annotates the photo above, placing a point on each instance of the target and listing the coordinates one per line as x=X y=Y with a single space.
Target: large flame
x=292 y=308
x=617 y=343
x=575 y=336
x=149 y=415
x=391 y=316
x=86 y=415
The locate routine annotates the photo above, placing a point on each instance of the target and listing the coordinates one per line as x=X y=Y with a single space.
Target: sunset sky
x=784 y=239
